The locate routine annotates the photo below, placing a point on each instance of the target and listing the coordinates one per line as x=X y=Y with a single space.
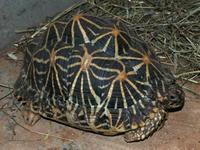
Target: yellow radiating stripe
x=109 y=118
x=134 y=110
x=107 y=44
x=95 y=34
x=115 y=107
x=58 y=81
x=47 y=35
x=132 y=97
x=85 y=37
x=163 y=86
x=129 y=58
x=143 y=83
x=48 y=74
x=65 y=48
x=97 y=98
x=74 y=83
x=116 y=48
x=53 y=87
x=124 y=51
x=31 y=61
x=147 y=73
x=41 y=60
x=28 y=69
x=61 y=68
x=74 y=65
x=91 y=22
x=104 y=86
x=64 y=32
x=52 y=82
x=61 y=22
x=103 y=113
x=100 y=37
x=34 y=77
x=131 y=73
x=106 y=58
x=61 y=58
x=82 y=94
x=57 y=34
x=46 y=50
x=96 y=51
x=105 y=69
x=100 y=126
x=40 y=72
x=76 y=50
x=124 y=39
x=72 y=33
x=141 y=104
x=123 y=95
x=123 y=66
x=110 y=93
x=119 y=116
x=40 y=50
x=70 y=74
x=101 y=78
x=137 y=67
x=137 y=51
x=135 y=87
x=90 y=104
x=75 y=56
x=83 y=98
x=111 y=59
x=73 y=112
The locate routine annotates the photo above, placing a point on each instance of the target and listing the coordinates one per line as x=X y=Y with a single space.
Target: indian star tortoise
x=88 y=72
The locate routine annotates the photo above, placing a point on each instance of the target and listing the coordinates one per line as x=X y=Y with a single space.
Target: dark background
x=20 y=14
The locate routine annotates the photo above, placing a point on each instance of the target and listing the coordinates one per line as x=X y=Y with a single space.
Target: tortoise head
x=175 y=98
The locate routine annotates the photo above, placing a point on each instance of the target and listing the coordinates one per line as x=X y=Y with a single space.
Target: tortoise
x=89 y=73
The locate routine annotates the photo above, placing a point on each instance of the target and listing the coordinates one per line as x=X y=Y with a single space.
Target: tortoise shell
x=87 y=72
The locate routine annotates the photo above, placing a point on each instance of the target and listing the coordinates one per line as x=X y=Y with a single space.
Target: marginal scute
x=142 y=124
x=134 y=126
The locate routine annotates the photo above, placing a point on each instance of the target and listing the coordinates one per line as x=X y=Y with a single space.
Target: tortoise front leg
x=153 y=123
x=30 y=117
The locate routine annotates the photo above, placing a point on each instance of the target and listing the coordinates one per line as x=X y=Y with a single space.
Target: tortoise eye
x=173 y=97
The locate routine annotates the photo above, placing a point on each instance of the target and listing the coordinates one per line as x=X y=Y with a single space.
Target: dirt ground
x=180 y=132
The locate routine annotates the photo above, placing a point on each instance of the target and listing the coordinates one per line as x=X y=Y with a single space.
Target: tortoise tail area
x=22 y=91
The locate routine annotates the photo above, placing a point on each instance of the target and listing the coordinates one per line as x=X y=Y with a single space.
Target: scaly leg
x=152 y=124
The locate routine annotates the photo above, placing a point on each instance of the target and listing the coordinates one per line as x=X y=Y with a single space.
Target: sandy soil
x=181 y=130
